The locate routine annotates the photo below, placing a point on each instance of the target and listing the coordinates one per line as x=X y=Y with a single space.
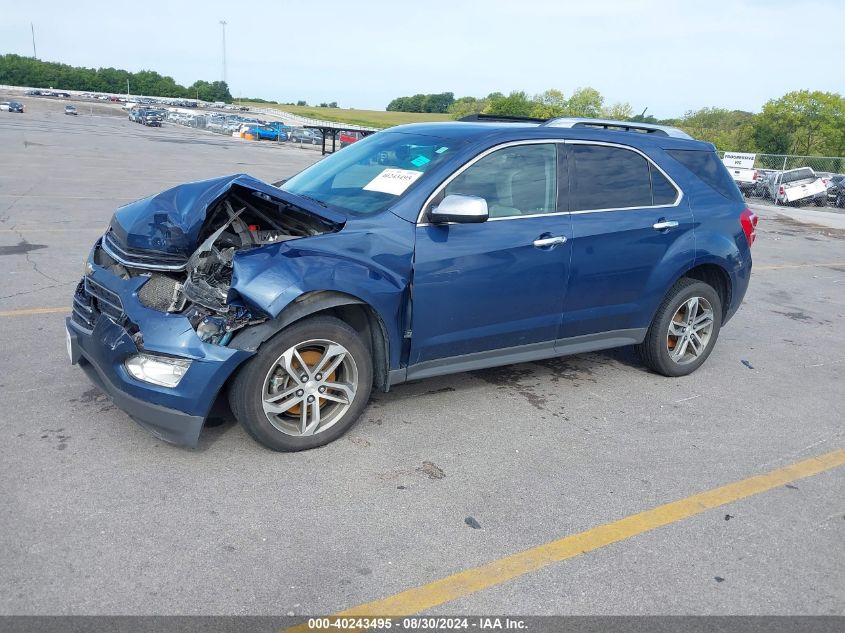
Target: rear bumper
x=739 y=286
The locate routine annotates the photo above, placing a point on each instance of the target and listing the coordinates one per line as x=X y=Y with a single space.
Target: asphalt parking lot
x=99 y=517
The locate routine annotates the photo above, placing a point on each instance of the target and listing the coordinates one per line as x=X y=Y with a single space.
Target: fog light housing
x=157 y=370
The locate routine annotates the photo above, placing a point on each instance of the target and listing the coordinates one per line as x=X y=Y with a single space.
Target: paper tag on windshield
x=393 y=181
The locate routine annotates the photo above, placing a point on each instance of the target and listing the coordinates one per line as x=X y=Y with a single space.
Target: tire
x=820 y=202
x=265 y=375
x=660 y=344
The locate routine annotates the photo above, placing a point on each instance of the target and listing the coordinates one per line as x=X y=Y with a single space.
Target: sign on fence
x=739 y=159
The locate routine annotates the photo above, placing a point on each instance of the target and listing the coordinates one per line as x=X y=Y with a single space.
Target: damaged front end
x=186 y=240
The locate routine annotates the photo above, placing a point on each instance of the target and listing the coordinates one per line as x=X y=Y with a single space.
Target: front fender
x=352 y=266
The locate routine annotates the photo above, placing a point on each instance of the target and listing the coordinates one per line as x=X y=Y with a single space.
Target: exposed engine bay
x=199 y=285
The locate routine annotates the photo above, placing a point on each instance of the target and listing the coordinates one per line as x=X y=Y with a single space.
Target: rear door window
x=663 y=191
x=604 y=177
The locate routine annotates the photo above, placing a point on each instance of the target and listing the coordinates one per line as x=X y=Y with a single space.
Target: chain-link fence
x=771 y=176
x=784 y=162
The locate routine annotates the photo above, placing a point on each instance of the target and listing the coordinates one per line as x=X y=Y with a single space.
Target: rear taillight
x=748 y=219
x=754 y=177
x=780 y=190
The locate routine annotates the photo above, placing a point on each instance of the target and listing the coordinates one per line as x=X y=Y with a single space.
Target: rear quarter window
x=707 y=166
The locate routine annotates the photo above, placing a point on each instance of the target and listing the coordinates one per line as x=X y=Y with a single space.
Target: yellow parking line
x=499 y=571
x=31 y=311
x=784 y=266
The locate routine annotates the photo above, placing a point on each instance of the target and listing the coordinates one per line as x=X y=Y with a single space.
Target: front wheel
x=306 y=386
x=684 y=329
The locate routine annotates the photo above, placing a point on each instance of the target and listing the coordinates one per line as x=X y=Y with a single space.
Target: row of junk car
x=236 y=125
x=792 y=187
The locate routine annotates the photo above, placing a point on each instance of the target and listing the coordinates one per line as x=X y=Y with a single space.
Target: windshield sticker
x=420 y=160
x=441 y=150
x=393 y=181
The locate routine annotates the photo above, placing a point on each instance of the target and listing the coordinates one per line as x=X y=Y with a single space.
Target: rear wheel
x=684 y=329
x=306 y=386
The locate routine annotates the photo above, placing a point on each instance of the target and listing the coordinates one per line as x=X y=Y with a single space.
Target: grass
x=367 y=118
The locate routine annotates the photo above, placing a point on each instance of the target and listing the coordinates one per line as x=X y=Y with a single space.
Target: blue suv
x=419 y=251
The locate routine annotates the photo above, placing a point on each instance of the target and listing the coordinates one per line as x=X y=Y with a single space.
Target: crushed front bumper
x=170 y=425
x=106 y=314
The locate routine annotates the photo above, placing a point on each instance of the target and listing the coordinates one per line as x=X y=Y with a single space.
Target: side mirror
x=459 y=208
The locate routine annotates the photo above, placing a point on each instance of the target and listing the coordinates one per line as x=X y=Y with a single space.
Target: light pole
x=223 y=24
x=32 y=28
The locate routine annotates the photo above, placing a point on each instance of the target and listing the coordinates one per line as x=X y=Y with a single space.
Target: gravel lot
x=98 y=517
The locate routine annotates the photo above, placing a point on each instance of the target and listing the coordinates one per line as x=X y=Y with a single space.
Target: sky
x=667 y=56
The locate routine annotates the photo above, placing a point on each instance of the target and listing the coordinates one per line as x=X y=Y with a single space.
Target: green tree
x=438 y=102
x=585 y=102
x=549 y=104
x=26 y=71
x=802 y=122
x=728 y=130
x=422 y=103
x=516 y=103
x=619 y=111
x=466 y=106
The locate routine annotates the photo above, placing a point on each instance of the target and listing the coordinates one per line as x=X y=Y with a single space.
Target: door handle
x=665 y=224
x=542 y=242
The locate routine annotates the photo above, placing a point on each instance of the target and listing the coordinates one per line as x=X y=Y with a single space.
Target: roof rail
x=609 y=124
x=502 y=118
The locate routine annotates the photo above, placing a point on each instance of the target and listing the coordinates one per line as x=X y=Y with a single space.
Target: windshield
x=369 y=176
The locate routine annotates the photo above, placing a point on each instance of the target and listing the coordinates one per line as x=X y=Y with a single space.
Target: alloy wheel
x=690 y=330
x=310 y=387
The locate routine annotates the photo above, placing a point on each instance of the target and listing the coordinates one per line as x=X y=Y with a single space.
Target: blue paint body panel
x=454 y=290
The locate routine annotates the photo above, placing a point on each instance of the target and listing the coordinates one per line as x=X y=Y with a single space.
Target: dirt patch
x=505 y=376
x=431 y=470
x=827 y=231
x=796 y=316
x=21 y=248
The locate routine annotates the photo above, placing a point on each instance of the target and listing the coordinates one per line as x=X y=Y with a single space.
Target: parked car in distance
x=741 y=167
x=12 y=106
x=797 y=186
x=836 y=190
x=420 y=251
x=761 y=185
x=348 y=137
x=151 y=118
x=303 y=135
x=267 y=132
x=70 y=109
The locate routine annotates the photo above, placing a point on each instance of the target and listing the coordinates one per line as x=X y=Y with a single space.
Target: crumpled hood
x=171 y=221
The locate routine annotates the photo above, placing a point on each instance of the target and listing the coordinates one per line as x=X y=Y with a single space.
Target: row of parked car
x=147 y=116
x=792 y=187
x=240 y=125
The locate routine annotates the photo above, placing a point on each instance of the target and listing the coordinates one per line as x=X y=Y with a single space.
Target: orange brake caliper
x=311 y=358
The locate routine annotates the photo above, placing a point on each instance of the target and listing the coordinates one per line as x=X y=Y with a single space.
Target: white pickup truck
x=741 y=168
x=796 y=186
